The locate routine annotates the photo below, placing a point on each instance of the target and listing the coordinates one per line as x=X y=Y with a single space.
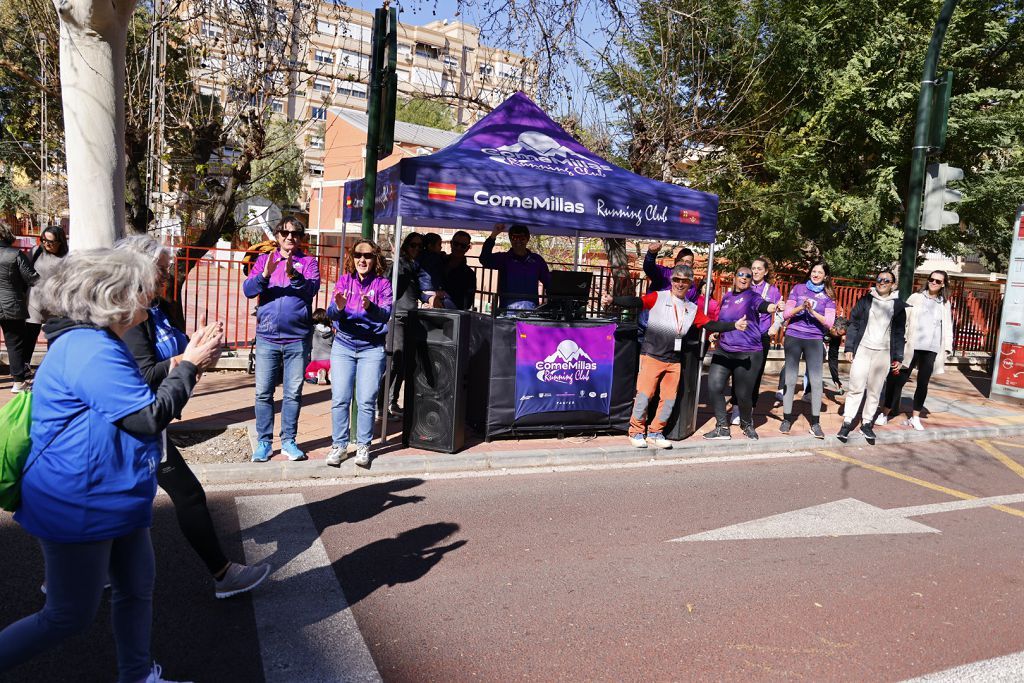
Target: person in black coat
x=16 y=276
x=156 y=344
x=875 y=337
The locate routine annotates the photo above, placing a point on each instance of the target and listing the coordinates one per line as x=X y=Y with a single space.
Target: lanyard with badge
x=678 y=345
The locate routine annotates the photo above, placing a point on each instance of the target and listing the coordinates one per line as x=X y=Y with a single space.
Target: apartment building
x=328 y=66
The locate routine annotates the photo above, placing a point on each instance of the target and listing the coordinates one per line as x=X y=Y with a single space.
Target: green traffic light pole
x=373 y=120
x=919 y=158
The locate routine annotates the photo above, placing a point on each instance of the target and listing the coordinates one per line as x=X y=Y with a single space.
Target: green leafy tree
x=277 y=175
x=425 y=112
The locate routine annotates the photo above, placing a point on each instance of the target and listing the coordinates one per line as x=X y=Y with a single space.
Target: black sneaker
x=868 y=432
x=718 y=434
x=816 y=431
x=786 y=426
x=844 y=432
x=748 y=431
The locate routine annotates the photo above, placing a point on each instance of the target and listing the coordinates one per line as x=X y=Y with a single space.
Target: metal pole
x=919 y=157
x=44 y=219
x=373 y=122
x=703 y=333
x=395 y=255
x=577 y=256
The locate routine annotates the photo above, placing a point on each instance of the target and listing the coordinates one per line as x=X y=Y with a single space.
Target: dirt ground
x=213 y=446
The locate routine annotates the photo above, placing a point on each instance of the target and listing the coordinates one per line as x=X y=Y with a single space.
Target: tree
x=424 y=112
x=277 y=175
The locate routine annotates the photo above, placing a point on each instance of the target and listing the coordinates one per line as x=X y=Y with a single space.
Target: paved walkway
x=957 y=403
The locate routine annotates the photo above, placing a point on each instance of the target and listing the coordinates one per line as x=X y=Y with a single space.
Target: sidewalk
x=959 y=410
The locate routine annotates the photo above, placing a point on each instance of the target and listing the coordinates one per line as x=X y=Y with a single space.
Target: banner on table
x=563 y=368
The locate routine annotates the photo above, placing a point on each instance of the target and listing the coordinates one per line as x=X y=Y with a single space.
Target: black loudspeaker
x=436 y=358
x=683 y=420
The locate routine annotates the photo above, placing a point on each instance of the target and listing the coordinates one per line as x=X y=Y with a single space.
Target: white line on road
x=915 y=510
x=306 y=629
x=1008 y=669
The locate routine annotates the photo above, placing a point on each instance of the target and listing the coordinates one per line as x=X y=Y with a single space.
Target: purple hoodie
x=802 y=325
x=357 y=328
x=659 y=278
x=284 y=312
x=741 y=305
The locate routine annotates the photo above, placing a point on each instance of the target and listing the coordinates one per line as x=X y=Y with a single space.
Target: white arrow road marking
x=1008 y=669
x=846 y=517
x=306 y=629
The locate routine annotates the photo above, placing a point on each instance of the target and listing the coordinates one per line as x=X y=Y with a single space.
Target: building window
x=277 y=106
x=315 y=142
x=325 y=27
x=319 y=113
x=451 y=62
x=404 y=49
x=427 y=78
x=322 y=85
x=353 y=89
x=403 y=75
x=428 y=51
x=209 y=91
x=485 y=70
x=323 y=57
x=355 y=60
x=315 y=170
x=208 y=30
x=357 y=32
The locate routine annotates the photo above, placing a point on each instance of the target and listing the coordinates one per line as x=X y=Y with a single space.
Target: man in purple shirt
x=519 y=269
x=658 y=277
x=284 y=283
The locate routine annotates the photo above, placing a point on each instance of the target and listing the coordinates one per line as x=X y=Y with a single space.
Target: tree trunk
x=622 y=281
x=93 y=36
x=136 y=195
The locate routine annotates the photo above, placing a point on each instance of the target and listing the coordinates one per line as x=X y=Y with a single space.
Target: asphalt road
x=579 y=576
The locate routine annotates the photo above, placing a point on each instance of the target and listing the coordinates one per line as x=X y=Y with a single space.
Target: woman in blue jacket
x=89 y=481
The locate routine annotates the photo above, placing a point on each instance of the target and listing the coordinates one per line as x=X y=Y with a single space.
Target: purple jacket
x=355 y=327
x=802 y=325
x=659 y=278
x=284 y=313
x=517 y=277
x=771 y=294
x=742 y=305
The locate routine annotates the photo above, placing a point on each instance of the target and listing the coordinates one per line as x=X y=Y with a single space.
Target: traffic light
x=937 y=194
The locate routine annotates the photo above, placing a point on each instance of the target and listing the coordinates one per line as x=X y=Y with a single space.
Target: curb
x=444 y=463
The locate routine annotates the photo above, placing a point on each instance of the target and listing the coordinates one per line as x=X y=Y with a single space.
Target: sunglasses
x=745 y=275
x=884 y=281
x=460 y=245
x=46 y=241
x=367 y=255
x=294 y=234
x=680 y=280
x=936 y=282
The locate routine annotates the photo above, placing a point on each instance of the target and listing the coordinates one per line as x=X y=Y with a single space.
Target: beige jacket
x=916 y=299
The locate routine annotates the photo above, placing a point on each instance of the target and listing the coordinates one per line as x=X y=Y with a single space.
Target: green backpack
x=15 y=444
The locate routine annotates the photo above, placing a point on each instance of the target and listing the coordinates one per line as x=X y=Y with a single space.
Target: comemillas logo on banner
x=567 y=365
x=538 y=150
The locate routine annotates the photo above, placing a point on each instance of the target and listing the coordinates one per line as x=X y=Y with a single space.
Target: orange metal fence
x=212 y=290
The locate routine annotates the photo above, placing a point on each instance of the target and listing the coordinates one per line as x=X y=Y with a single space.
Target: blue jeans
x=75 y=574
x=271 y=360
x=363 y=368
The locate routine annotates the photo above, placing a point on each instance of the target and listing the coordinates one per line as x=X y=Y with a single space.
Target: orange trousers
x=655 y=376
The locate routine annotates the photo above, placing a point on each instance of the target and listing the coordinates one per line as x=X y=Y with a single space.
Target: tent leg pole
x=703 y=333
x=390 y=357
x=577 y=257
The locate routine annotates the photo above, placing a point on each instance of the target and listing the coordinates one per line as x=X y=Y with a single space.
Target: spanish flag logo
x=689 y=216
x=441 y=191
x=348 y=202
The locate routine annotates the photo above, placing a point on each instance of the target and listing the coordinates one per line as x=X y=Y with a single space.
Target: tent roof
x=516 y=165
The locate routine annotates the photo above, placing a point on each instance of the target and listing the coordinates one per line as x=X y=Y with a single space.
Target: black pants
x=813 y=352
x=743 y=367
x=185 y=491
x=766 y=343
x=833 y=358
x=396 y=342
x=15 y=339
x=924 y=361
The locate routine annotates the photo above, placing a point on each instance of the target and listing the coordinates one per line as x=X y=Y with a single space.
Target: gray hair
x=101 y=286
x=683 y=270
x=6 y=234
x=145 y=245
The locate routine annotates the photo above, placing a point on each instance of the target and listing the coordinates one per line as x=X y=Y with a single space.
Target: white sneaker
x=735 y=415
x=156 y=676
x=915 y=422
x=363 y=455
x=321 y=376
x=882 y=419
x=19 y=387
x=658 y=441
x=336 y=455
x=638 y=441
x=240 y=578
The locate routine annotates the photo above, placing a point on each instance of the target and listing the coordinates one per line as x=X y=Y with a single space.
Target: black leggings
x=175 y=477
x=15 y=339
x=924 y=361
x=813 y=353
x=743 y=367
x=766 y=343
x=833 y=358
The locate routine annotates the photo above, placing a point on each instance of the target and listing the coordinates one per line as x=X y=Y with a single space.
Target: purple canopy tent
x=516 y=165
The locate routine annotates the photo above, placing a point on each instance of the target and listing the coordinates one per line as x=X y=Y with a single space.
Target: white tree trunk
x=93 y=35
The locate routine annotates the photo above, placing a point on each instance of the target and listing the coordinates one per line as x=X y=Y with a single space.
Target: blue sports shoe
x=292 y=451
x=262 y=452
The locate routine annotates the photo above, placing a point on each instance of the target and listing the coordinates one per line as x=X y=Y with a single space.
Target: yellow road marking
x=1007 y=444
x=1014 y=466
x=1005 y=420
x=914 y=480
